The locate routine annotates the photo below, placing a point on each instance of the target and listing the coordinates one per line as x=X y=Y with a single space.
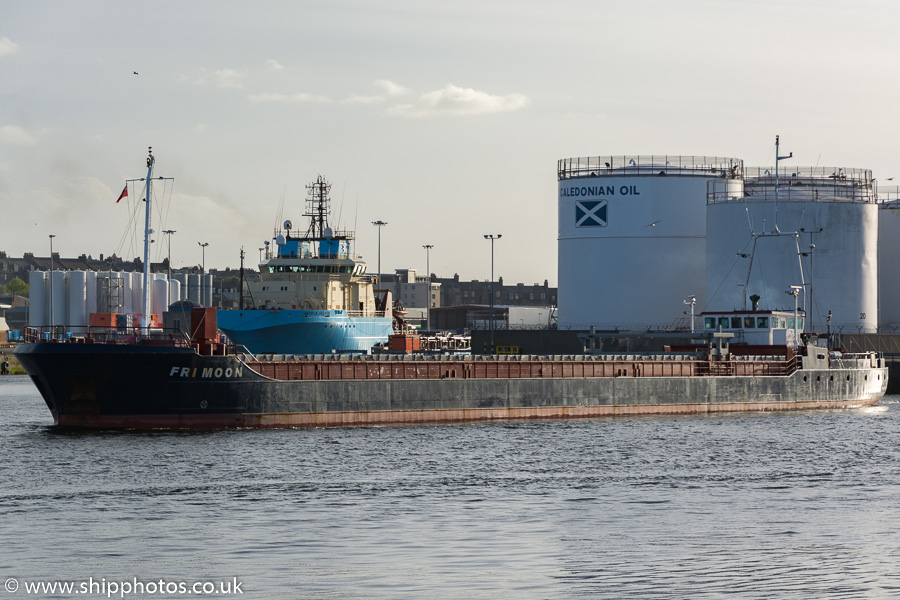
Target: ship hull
x=95 y=386
x=291 y=331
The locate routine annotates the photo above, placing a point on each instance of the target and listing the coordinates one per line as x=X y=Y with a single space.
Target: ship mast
x=778 y=158
x=145 y=309
x=148 y=231
x=317 y=208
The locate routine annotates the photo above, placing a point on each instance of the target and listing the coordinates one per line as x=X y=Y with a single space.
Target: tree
x=17 y=286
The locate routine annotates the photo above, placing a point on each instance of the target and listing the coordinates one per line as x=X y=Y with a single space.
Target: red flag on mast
x=123 y=194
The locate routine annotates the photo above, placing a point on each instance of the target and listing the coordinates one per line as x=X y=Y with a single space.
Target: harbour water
x=788 y=505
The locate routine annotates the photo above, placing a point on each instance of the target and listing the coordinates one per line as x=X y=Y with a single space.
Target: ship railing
x=85 y=334
x=458 y=366
x=365 y=313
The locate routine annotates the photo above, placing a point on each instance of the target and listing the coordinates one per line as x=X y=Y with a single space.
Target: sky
x=446 y=120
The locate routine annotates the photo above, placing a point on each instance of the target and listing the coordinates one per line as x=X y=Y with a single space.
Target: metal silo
x=39 y=306
x=817 y=229
x=632 y=237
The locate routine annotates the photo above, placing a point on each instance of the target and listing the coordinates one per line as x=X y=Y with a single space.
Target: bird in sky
x=135 y=72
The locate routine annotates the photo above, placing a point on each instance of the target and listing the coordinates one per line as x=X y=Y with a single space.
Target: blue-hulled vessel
x=314 y=294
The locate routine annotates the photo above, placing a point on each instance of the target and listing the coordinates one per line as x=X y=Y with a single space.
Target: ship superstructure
x=314 y=294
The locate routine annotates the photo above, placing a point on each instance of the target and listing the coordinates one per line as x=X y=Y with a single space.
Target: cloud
x=8 y=47
x=222 y=78
x=390 y=89
x=457 y=101
x=201 y=127
x=289 y=98
x=16 y=136
x=273 y=65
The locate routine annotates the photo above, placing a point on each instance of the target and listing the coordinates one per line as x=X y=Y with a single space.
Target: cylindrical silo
x=207 y=289
x=38 y=303
x=632 y=238
x=59 y=304
x=137 y=292
x=90 y=293
x=194 y=288
x=175 y=293
x=820 y=235
x=159 y=293
x=77 y=299
x=181 y=278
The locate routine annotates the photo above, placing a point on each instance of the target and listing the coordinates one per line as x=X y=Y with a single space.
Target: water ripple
x=799 y=505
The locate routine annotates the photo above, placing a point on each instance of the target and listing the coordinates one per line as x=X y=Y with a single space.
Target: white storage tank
x=91 y=292
x=59 y=302
x=159 y=292
x=39 y=300
x=174 y=292
x=632 y=238
x=888 y=253
x=182 y=279
x=194 y=289
x=207 y=285
x=77 y=299
x=824 y=239
x=137 y=292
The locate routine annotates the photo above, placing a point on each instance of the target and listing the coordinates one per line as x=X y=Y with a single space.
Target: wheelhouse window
x=762 y=322
x=749 y=323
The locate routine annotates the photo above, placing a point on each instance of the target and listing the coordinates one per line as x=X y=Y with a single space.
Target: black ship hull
x=137 y=386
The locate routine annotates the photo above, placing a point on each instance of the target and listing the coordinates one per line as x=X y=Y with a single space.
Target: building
x=459 y=293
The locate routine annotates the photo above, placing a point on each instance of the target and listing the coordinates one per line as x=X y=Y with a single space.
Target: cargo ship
x=137 y=375
x=314 y=294
x=126 y=379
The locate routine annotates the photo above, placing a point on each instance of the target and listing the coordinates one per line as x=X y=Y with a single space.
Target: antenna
x=778 y=158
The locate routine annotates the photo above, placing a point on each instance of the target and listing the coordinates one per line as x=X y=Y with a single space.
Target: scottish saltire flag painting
x=590 y=213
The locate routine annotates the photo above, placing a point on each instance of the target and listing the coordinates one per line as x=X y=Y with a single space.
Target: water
x=799 y=505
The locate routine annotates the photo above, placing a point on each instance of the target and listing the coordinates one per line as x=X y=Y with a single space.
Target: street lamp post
x=51 y=279
x=428 y=248
x=492 y=237
x=379 y=225
x=202 y=272
x=203 y=264
x=168 y=233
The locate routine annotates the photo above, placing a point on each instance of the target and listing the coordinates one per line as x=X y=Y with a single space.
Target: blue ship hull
x=290 y=331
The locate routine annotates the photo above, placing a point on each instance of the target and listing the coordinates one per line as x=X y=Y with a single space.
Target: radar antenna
x=317 y=207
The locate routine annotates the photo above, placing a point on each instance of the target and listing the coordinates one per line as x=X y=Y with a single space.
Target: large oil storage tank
x=888 y=253
x=632 y=237
x=816 y=229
